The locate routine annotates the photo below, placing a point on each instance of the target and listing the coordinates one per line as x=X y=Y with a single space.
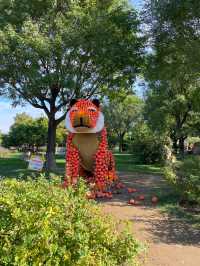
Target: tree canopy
x=121 y=115
x=28 y=133
x=175 y=35
x=173 y=83
x=52 y=51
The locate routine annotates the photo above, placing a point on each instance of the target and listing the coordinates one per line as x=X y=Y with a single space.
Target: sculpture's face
x=84 y=116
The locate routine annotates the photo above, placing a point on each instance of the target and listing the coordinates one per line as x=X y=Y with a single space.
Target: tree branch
x=60 y=119
x=35 y=104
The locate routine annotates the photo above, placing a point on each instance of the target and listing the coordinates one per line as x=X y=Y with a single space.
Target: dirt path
x=171 y=241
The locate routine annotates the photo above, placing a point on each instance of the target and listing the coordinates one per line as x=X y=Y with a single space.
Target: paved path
x=171 y=241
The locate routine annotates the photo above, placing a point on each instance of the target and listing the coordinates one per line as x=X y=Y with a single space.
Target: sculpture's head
x=84 y=116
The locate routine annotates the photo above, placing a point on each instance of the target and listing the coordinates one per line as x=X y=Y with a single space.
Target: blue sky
x=7 y=112
x=137 y=3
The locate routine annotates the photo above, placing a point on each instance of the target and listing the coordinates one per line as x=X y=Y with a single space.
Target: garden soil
x=170 y=241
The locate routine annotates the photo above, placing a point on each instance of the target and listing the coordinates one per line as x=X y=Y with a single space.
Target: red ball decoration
x=104 y=172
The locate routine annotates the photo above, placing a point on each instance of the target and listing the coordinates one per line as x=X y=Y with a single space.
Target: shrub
x=42 y=224
x=192 y=140
x=185 y=177
x=148 y=147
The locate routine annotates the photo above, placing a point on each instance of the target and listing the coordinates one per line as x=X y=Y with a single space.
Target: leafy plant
x=185 y=176
x=148 y=147
x=43 y=224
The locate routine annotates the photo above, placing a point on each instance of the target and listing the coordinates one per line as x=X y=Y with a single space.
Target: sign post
x=36 y=163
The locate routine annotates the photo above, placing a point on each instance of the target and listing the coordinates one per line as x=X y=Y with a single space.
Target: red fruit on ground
x=109 y=196
x=154 y=199
x=120 y=185
x=132 y=190
x=131 y=202
x=137 y=202
x=141 y=197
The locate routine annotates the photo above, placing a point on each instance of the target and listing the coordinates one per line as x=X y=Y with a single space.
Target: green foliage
x=67 y=49
x=52 y=51
x=173 y=95
x=148 y=147
x=121 y=114
x=61 y=134
x=28 y=132
x=170 y=108
x=185 y=176
x=192 y=140
x=43 y=224
x=174 y=31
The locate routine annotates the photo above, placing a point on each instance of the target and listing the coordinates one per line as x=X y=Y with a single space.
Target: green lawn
x=127 y=162
x=14 y=166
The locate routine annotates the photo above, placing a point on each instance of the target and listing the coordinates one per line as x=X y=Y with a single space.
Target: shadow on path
x=148 y=219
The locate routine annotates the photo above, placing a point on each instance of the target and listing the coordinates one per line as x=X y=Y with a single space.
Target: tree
x=171 y=111
x=52 y=51
x=173 y=83
x=22 y=118
x=26 y=132
x=29 y=133
x=121 y=115
x=147 y=146
x=61 y=135
x=174 y=28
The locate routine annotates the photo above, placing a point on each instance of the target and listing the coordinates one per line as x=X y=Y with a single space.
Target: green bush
x=148 y=147
x=192 y=140
x=43 y=224
x=185 y=177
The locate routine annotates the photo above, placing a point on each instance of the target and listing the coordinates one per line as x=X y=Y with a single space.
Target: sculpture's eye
x=74 y=109
x=91 y=109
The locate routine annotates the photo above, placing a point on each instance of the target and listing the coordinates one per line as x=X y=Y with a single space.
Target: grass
x=173 y=209
x=12 y=165
x=127 y=162
x=169 y=203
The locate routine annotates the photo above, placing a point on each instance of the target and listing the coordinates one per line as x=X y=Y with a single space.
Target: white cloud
x=7 y=114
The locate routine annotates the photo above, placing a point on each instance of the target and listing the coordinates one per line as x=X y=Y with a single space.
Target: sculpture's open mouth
x=81 y=122
x=80 y=125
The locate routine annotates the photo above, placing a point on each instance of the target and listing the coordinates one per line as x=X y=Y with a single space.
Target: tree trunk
x=181 y=145
x=121 y=143
x=174 y=144
x=50 y=164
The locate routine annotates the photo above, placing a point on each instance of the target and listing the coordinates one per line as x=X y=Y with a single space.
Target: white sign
x=36 y=163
